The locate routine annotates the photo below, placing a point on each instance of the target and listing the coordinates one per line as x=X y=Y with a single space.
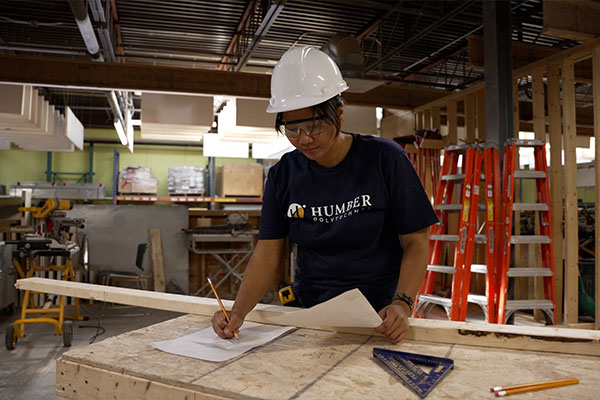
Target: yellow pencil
x=235 y=333
x=502 y=391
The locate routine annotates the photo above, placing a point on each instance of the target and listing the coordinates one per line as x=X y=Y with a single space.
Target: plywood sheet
x=305 y=364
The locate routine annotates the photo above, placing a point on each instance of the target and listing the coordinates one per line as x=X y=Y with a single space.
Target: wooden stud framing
x=452 y=122
x=481 y=115
x=435 y=117
x=419 y=123
x=427 y=119
x=556 y=181
x=539 y=129
x=470 y=115
x=543 y=339
x=596 y=91
x=571 y=222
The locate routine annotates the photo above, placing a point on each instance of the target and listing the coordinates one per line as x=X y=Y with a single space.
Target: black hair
x=328 y=109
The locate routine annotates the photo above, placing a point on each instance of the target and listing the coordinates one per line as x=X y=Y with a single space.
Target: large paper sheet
x=206 y=345
x=349 y=309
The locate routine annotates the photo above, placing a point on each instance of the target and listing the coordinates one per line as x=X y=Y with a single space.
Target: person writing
x=352 y=203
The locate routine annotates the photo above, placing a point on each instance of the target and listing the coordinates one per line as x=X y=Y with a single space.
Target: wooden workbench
x=304 y=364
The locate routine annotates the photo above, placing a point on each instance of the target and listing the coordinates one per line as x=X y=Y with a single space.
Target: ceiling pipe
x=86 y=29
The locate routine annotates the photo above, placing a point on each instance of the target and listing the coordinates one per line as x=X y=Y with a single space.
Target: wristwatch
x=405 y=298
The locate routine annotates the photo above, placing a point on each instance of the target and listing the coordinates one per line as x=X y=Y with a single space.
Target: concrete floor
x=28 y=371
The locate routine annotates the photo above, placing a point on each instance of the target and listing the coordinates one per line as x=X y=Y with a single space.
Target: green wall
x=19 y=165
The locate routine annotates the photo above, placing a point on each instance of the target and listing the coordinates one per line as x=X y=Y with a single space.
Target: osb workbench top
x=304 y=364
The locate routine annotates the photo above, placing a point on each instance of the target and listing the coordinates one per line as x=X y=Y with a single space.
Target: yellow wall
x=19 y=165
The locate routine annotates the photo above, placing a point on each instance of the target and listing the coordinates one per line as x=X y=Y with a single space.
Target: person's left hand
x=395 y=322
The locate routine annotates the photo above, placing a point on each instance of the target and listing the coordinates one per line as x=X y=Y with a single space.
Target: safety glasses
x=312 y=127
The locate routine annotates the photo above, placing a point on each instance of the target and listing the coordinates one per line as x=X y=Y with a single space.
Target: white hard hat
x=304 y=77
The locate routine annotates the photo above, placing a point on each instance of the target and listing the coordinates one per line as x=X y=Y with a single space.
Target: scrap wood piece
x=528 y=338
x=158 y=267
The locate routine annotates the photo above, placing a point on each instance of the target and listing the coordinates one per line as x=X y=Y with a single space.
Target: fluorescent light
x=120 y=131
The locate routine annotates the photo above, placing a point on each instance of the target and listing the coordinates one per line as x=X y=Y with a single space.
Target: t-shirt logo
x=295 y=210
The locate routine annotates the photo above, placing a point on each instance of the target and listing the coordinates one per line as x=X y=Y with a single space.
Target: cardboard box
x=136 y=179
x=239 y=180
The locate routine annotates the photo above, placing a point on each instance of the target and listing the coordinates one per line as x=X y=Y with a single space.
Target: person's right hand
x=224 y=329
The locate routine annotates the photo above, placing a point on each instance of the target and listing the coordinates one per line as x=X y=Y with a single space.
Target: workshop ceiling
x=417 y=43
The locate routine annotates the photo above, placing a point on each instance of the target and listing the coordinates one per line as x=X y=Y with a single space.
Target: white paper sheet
x=206 y=345
x=349 y=309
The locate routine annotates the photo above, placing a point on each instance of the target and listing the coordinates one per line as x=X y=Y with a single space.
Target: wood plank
x=575 y=20
x=481 y=115
x=435 y=117
x=452 y=122
x=539 y=129
x=571 y=294
x=556 y=180
x=62 y=72
x=596 y=90
x=470 y=115
x=420 y=120
x=304 y=364
x=158 y=266
x=75 y=380
x=427 y=119
x=570 y=341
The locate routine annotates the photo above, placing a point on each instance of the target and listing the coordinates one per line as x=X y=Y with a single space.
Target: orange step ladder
x=469 y=177
x=542 y=207
x=491 y=240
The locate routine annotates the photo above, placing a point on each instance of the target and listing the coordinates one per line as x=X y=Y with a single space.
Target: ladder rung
x=525 y=174
x=456 y=207
x=457 y=148
x=449 y=207
x=444 y=238
x=480 y=239
x=529 y=239
x=446 y=269
x=429 y=298
x=529 y=271
x=479 y=268
x=477 y=298
x=455 y=177
x=529 y=305
x=528 y=142
x=530 y=207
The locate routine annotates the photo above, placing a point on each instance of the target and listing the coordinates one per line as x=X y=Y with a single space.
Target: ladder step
x=530 y=207
x=528 y=142
x=529 y=305
x=455 y=177
x=479 y=268
x=446 y=269
x=477 y=298
x=529 y=239
x=525 y=174
x=444 y=238
x=454 y=238
x=456 y=207
x=529 y=271
x=429 y=298
x=449 y=207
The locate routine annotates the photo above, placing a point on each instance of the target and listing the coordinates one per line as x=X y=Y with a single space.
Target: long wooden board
x=542 y=339
x=305 y=364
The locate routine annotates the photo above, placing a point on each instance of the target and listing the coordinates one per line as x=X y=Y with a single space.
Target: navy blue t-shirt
x=347 y=219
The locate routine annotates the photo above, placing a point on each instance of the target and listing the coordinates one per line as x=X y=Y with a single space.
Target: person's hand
x=224 y=329
x=395 y=321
